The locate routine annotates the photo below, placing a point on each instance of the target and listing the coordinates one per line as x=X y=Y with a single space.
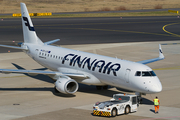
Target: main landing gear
x=100 y=87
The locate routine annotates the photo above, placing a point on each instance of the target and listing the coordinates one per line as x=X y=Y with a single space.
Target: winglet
x=161 y=56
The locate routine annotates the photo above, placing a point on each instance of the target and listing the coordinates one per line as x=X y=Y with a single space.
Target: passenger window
x=54 y=56
x=138 y=73
x=51 y=55
x=40 y=53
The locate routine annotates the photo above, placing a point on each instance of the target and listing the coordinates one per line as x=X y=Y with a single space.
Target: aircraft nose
x=157 y=86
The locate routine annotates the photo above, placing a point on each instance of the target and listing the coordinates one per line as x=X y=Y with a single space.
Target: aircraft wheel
x=105 y=87
x=98 y=87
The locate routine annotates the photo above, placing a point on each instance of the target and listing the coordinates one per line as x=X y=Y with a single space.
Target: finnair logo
x=27 y=24
x=101 y=65
x=160 y=51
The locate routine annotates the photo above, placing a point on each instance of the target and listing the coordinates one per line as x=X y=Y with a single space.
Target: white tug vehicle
x=119 y=104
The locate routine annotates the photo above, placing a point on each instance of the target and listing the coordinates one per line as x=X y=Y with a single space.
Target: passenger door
x=126 y=77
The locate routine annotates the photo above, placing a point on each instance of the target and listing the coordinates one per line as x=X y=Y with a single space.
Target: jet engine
x=66 y=85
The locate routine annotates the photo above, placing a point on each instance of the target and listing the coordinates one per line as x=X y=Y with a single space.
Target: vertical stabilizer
x=28 y=28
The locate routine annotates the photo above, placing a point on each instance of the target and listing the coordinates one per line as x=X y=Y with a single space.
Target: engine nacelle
x=67 y=86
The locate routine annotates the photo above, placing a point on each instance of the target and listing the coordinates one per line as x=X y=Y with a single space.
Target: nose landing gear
x=139 y=97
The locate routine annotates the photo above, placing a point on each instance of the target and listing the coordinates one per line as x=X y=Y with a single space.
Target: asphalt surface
x=73 y=31
x=25 y=97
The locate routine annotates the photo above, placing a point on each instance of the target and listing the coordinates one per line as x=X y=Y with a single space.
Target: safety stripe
x=101 y=113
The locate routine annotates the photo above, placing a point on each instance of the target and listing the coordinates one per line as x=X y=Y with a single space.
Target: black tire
x=105 y=87
x=127 y=110
x=113 y=112
x=98 y=87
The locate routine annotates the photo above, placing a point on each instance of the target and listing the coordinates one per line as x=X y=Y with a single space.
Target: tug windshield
x=121 y=98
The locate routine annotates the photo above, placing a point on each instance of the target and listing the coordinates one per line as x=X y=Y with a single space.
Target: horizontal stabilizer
x=161 y=57
x=51 y=42
x=14 y=47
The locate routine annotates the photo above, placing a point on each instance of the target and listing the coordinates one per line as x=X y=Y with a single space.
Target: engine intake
x=67 y=86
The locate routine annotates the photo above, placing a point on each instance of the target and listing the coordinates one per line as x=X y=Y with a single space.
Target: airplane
x=70 y=67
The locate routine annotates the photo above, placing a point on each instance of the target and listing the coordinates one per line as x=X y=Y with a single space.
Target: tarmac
x=25 y=97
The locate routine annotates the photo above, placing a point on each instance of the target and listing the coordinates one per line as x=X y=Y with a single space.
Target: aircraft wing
x=51 y=42
x=14 y=47
x=51 y=73
x=161 y=57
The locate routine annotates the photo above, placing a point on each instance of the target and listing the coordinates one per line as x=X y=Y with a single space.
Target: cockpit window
x=138 y=73
x=152 y=73
x=145 y=73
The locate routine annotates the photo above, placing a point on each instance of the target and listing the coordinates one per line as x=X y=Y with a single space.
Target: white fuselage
x=102 y=70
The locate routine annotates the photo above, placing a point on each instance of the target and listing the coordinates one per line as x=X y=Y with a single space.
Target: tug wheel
x=113 y=112
x=127 y=110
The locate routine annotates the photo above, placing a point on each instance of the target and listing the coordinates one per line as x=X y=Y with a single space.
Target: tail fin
x=28 y=28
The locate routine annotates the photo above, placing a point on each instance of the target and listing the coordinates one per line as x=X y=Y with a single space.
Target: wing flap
x=50 y=73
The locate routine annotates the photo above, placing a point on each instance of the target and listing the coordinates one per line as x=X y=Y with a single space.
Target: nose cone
x=156 y=86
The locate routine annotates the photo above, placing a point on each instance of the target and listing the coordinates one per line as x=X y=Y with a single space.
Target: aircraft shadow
x=27 y=89
x=147 y=102
x=92 y=89
x=109 y=93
